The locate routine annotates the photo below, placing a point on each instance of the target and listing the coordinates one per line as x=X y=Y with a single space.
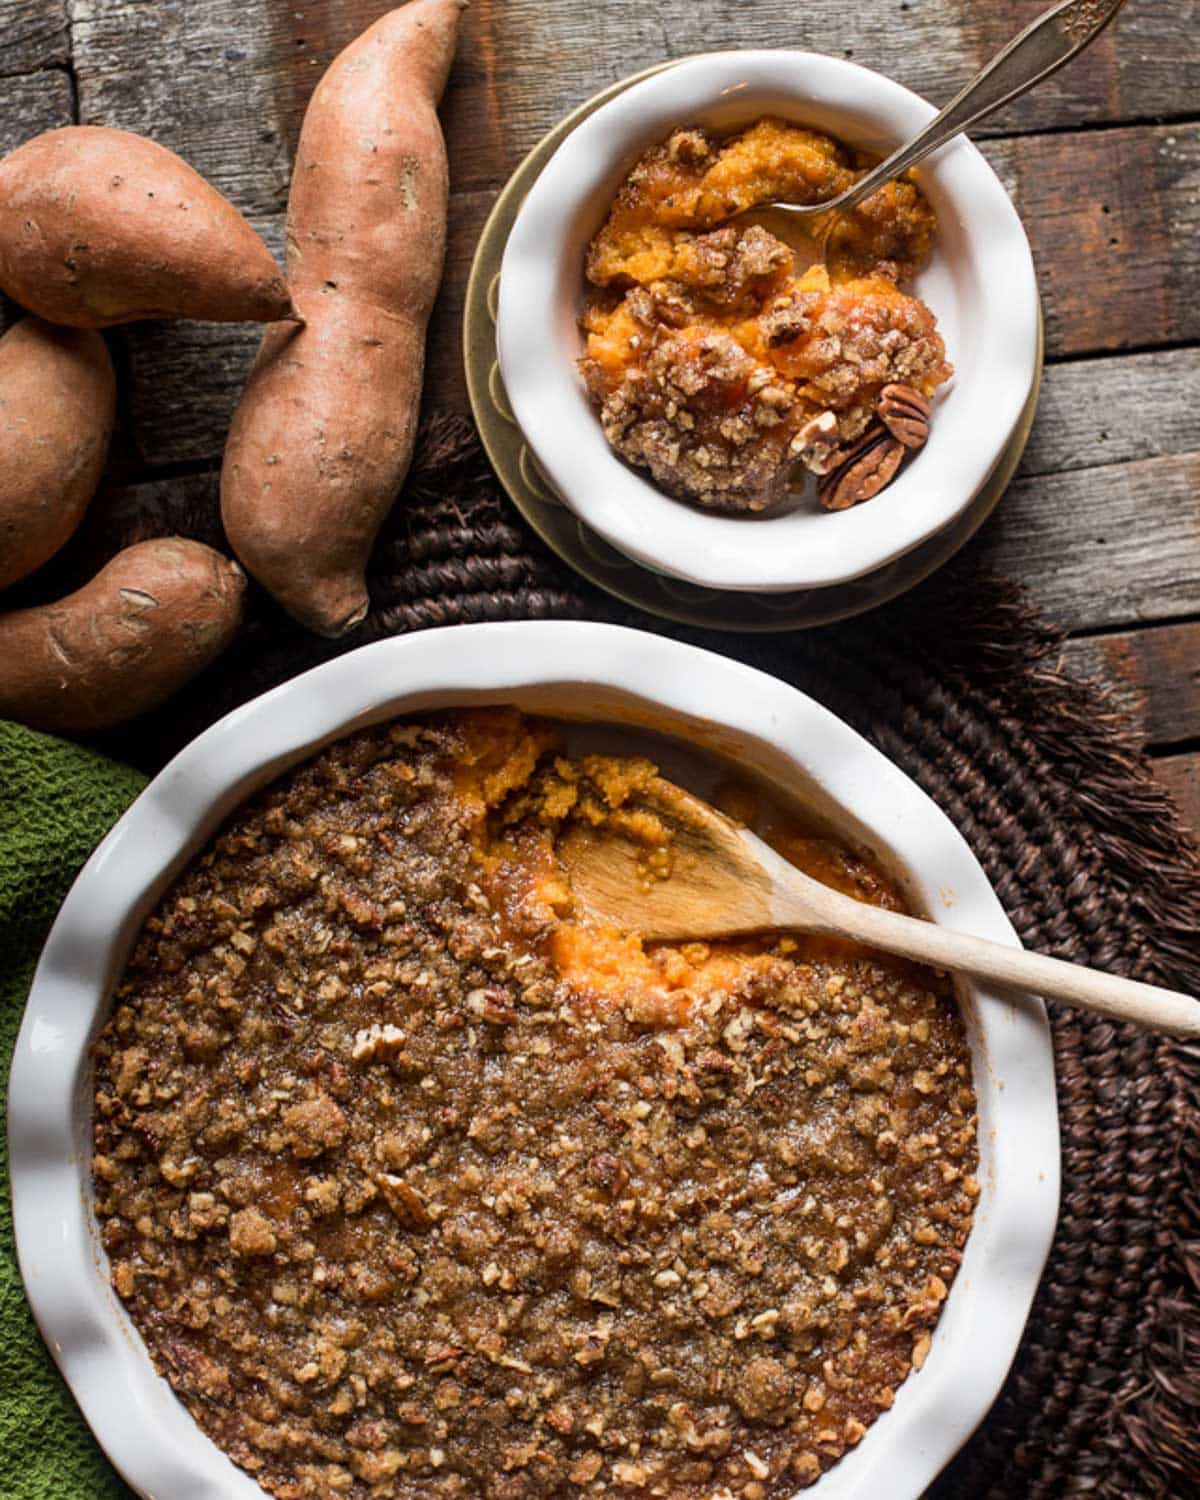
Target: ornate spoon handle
x=1041 y=49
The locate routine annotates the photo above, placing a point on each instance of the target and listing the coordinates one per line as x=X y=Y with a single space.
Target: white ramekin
x=980 y=284
x=579 y=671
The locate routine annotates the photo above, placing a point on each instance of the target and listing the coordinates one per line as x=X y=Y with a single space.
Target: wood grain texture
x=217 y=78
x=1113 y=217
x=33 y=35
x=198 y=76
x=1103 y=547
x=1093 y=413
x=525 y=64
x=184 y=379
x=304 y=36
x=1108 y=411
x=445 y=378
x=31 y=104
x=229 y=98
x=1138 y=70
x=1153 y=676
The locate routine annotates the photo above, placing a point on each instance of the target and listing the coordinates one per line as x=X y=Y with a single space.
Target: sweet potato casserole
x=417 y=1185
x=724 y=360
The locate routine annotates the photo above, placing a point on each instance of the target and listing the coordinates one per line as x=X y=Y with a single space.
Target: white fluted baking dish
x=586 y=672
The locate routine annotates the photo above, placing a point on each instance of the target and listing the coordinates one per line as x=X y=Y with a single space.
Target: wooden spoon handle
x=1012 y=968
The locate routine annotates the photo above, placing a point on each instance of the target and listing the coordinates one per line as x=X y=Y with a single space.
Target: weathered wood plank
x=1153 y=675
x=222 y=82
x=214 y=91
x=1108 y=411
x=1103 y=547
x=198 y=76
x=304 y=36
x=1180 y=774
x=212 y=78
x=1093 y=413
x=226 y=88
x=33 y=35
x=525 y=64
x=1142 y=68
x=1098 y=548
x=32 y=103
x=1114 y=220
x=445 y=380
x=184 y=379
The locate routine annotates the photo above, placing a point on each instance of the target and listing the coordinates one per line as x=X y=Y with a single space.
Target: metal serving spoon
x=1041 y=49
x=723 y=880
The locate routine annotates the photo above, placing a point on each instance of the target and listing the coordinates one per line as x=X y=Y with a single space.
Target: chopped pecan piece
x=560 y=1418
x=493 y=1005
x=379 y=1042
x=585 y=1469
x=442 y=1357
x=404 y=1201
x=608 y=1172
x=815 y=445
x=905 y=413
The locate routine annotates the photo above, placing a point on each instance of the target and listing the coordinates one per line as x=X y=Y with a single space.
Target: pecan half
x=866 y=468
x=905 y=413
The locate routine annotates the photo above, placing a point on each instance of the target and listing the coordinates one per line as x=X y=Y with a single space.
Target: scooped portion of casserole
x=724 y=359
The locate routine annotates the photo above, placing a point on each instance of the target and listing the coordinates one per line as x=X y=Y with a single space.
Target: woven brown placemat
x=956 y=683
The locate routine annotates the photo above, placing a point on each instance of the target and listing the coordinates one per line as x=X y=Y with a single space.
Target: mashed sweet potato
x=530 y=802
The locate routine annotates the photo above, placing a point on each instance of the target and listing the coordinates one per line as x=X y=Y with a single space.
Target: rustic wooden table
x=1102 y=524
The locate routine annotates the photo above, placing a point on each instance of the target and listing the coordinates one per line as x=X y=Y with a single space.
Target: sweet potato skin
x=58 y=399
x=149 y=621
x=101 y=226
x=323 y=436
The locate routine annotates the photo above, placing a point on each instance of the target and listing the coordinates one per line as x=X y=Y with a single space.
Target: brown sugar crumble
x=718 y=359
x=417 y=1186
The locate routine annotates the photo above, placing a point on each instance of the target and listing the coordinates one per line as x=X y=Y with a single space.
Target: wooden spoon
x=723 y=879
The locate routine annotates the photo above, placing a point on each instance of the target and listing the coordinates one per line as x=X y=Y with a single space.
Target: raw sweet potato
x=58 y=396
x=322 y=438
x=146 y=623
x=101 y=226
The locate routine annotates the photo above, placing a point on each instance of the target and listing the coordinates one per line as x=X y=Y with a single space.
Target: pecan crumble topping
x=416 y=1186
x=712 y=348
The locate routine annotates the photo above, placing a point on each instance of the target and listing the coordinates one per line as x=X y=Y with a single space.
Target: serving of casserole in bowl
x=349 y=1157
x=731 y=405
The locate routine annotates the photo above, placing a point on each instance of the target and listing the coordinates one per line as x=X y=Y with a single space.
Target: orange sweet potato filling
x=690 y=185
x=522 y=874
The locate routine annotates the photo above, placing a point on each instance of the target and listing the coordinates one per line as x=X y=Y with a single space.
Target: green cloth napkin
x=57 y=801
